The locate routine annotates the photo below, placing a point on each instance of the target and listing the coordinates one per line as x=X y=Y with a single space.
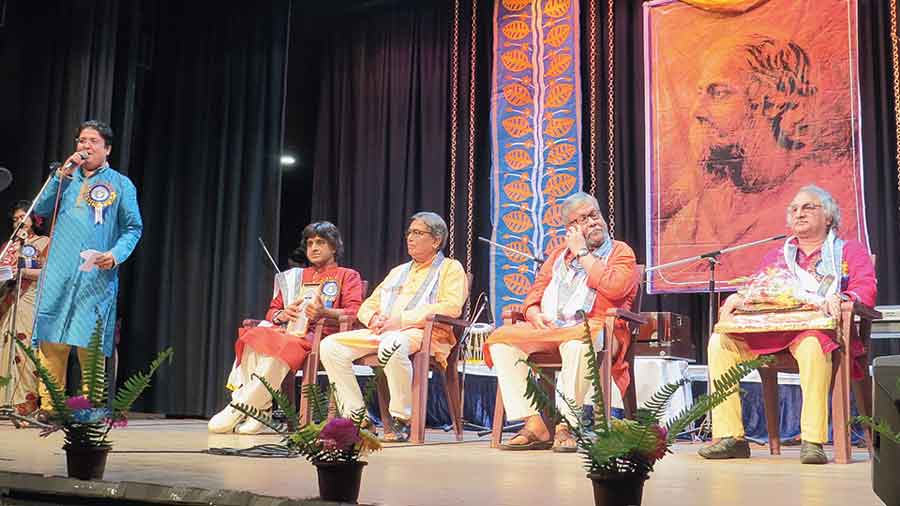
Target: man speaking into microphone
x=98 y=224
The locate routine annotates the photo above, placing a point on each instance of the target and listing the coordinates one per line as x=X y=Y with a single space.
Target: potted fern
x=619 y=455
x=332 y=442
x=86 y=420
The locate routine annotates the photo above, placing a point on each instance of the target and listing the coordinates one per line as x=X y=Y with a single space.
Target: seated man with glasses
x=394 y=316
x=821 y=271
x=589 y=272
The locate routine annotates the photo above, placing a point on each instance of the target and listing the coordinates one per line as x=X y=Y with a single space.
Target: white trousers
x=338 y=361
x=512 y=376
x=250 y=390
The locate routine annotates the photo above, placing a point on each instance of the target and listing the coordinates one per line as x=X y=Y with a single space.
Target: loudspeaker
x=886 y=406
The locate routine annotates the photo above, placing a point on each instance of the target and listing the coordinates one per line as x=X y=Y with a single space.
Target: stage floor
x=443 y=472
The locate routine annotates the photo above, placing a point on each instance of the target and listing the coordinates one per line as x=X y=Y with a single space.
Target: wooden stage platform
x=165 y=462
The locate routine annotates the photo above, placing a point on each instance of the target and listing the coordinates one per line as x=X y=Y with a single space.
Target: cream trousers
x=338 y=361
x=248 y=389
x=512 y=376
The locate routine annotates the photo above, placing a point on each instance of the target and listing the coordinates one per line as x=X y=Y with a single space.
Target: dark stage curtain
x=51 y=83
x=880 y=154
x=208 y=176
x=381 y=147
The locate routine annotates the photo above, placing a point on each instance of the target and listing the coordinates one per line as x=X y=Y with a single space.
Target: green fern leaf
x=94 y=367
x=136 y=384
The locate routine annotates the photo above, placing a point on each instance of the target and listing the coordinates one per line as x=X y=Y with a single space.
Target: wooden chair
x=552 y=361
x=422 y=363
x=311 y=367
x=855 y=322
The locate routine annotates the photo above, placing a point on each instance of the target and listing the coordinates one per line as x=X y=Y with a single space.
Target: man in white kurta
x=394 y=316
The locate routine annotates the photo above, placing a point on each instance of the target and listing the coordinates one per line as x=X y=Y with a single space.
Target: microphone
x=5 y=178
x=82 y=154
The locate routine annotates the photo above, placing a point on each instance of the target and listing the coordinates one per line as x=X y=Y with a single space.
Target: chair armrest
x=861 y=310
x=249 y=323
x=510 y=316
x=627 y=315
x=446 y=320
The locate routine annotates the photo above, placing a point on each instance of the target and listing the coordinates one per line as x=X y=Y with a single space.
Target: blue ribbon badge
x=329 y=293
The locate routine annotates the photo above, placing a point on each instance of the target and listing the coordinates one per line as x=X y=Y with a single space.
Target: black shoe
x=812 y=453
x=726 y=448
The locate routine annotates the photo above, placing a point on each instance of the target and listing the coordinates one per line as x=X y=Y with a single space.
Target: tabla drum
x=478 y=334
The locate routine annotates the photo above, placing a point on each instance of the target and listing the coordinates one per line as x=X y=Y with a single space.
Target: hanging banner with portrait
x=535 y=138
x=745 y=104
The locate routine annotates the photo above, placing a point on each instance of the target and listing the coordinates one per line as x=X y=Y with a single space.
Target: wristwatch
x=582 y=252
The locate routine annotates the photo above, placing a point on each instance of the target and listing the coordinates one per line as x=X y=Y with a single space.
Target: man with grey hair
x=590 y=272
x=394 y=317
x=826 y=270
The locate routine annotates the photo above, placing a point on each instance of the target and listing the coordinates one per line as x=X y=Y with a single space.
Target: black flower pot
x=86 y=463
x=339 y=481
x=617 y=490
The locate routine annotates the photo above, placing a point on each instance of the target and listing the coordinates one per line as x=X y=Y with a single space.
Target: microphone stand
x=538 y=262
x=8 y=412
x=712 y=258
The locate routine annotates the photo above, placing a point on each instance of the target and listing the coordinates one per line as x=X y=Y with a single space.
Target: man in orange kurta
x=590 y=272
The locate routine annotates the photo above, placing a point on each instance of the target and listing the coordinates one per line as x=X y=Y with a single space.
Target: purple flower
x=79 y=402
x=661 y=446
x=116 y=423
x=341 y=431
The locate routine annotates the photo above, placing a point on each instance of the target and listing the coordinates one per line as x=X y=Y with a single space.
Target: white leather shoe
x=225 y=420
x=251 y=426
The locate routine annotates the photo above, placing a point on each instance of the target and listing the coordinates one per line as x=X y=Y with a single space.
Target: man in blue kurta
x=98 y=212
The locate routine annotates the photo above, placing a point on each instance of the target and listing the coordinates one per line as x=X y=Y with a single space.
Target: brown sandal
x=533 y=442
x=563 y=440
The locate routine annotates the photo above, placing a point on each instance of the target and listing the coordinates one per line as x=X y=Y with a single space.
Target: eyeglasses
x=806 y=208
x=592 y=216
x=85 y=140
x=417 y=234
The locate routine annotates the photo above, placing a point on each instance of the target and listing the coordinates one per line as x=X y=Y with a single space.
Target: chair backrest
x=639 y=270
x=639 y=283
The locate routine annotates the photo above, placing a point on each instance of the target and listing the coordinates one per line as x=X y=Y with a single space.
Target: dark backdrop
x=197 y=93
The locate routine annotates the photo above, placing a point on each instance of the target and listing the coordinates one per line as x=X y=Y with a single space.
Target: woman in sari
x=24 y=257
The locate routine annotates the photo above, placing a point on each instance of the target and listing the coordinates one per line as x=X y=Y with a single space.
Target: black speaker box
x=886 y=462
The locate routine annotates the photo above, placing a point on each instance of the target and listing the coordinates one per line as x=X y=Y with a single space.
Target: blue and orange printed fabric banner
x=536 y=137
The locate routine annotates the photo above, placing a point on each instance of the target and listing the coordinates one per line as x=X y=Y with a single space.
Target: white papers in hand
x=90 y=260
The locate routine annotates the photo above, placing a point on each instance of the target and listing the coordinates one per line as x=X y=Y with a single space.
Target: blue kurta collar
x=97 y=172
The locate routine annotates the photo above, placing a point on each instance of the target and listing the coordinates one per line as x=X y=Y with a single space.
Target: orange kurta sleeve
x=614 y=279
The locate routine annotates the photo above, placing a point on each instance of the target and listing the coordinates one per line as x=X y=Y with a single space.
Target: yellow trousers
x=55 y=357
x=726 y=350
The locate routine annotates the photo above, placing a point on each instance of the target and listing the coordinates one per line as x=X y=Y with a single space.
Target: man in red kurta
x=828 y=271
x=590 y=272
x=280 y=344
